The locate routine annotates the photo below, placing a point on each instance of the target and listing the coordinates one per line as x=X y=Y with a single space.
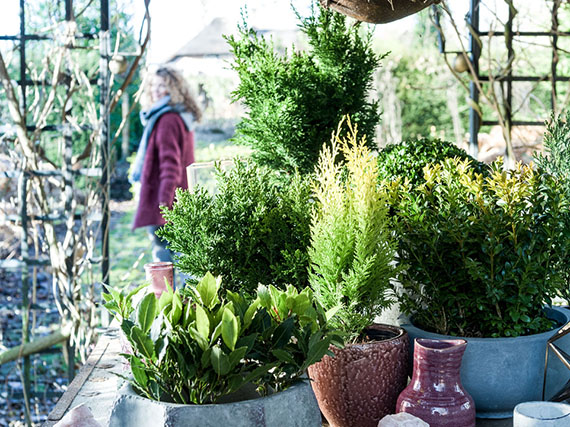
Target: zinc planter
x=294 y=407
x=500 y=373
x=360 y=385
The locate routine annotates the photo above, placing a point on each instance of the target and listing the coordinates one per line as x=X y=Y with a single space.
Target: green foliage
x=482 y=254
x=408 y=158
x=351 y=245
x=557 y=146
x=295 y=101
x=194 y=346
x=252 y=231
x=422 y=85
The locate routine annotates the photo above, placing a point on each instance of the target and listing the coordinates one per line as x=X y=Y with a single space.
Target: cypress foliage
x=295 y=101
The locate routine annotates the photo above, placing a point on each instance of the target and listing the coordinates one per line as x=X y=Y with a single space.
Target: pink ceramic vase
x=435 y=393
x=157 y=273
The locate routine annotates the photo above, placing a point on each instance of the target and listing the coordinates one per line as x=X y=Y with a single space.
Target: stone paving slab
x=99 y=389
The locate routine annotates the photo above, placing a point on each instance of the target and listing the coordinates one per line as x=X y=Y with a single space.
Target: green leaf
x=164 y=300
x=139 y=374
x=259 y=372
x=202 y=322
x=136 y=290
x=250 y=312
x=283 y=355
x=176 y=311
x=247 y=341
x=116 y=295
x=146 y=312
x=236 y=356
x=264 y=297
x=216 y=334
x=230 y=329
x=331 y=312
x=220 y=361
x=208 y=290
x=156 y=328
x=189 y=315
x=283 y=333
x=142 y=343
x=206 y=358
x=160 y=348
x=196 y=336
x=316 y=353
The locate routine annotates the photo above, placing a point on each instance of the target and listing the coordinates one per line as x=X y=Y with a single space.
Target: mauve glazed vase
x=360 y=385
x=435 y=393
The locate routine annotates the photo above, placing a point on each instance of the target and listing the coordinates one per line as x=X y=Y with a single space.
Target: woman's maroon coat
x=170 y=149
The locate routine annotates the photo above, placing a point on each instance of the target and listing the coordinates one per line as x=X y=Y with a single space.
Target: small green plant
x=254 y=230
x=483 y=254
x=194 y=346
x=408 y=158
x=352 y=248
x=295 y=100
x=557 y=146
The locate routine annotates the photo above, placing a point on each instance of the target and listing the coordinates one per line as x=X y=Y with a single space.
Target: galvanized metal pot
x=500 y=373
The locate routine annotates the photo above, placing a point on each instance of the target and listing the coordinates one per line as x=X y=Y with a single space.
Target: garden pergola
x=507 y=77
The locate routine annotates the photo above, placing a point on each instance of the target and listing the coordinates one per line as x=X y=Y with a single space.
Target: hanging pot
x=378 y=11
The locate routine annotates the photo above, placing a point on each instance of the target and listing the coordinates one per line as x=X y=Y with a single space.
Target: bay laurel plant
x=483 y=255
x=352 y=248
x=253 y=230
x=199 y=344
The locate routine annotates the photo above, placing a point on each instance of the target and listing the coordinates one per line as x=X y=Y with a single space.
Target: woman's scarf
x=149 y=119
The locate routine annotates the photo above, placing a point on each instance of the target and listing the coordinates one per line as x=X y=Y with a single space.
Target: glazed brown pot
x=377 y=11
x=360 y=385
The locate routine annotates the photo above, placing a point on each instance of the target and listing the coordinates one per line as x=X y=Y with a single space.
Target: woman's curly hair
x=177 y=88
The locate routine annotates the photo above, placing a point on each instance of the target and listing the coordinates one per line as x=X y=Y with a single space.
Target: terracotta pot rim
x=428 y=344
x=158 y=264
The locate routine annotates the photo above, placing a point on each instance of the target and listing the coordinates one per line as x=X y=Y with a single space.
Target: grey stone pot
x=294 y=407
x=500 y=373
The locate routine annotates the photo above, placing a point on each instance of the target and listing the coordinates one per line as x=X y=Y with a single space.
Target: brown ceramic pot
x=360 y=385
x=377 y=11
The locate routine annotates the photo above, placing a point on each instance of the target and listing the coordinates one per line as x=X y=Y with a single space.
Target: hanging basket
x=378 y=11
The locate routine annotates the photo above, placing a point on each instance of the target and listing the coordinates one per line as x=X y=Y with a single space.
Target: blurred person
x=166 y=149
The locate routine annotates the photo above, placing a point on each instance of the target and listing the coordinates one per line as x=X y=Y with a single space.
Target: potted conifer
x=351 y=257
x=200 y=356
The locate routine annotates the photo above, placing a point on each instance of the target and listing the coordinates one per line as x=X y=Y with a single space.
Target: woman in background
x=165 y=150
